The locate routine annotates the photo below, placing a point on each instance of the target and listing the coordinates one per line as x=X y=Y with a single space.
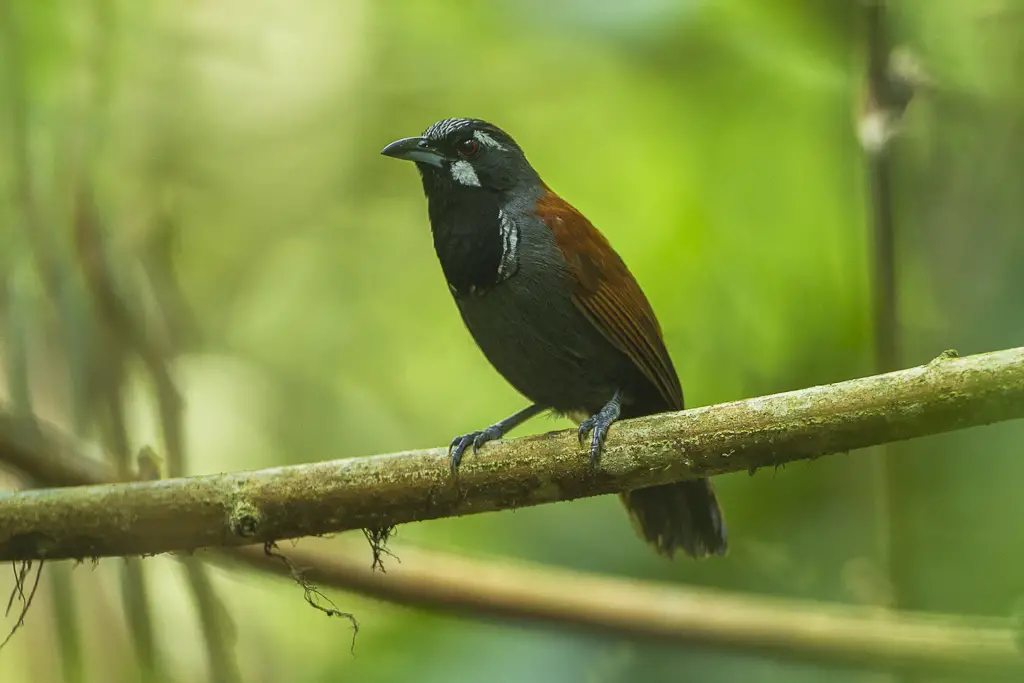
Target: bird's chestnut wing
x=608 y=295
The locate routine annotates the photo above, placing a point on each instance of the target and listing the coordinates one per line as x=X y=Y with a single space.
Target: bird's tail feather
x=684 y=515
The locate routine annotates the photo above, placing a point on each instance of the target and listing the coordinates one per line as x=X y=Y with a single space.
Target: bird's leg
x=459 y=444
x=599 y=424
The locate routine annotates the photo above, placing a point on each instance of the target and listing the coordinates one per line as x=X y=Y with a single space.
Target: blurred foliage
x=230 y=153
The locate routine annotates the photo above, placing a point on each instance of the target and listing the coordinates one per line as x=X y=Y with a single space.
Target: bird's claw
x=585 y=428
x=477 y=439
x=597 y=427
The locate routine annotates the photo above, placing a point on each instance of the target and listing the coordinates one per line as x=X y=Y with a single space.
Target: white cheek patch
x=486 y=140
x=463 y=172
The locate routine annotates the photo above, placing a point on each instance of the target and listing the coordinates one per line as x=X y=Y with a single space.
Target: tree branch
x=856 y=637
x=373 y=492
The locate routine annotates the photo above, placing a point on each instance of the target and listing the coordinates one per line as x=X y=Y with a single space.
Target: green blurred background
x=285 y=269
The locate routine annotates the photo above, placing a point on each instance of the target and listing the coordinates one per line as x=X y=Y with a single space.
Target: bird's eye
x=467 y=147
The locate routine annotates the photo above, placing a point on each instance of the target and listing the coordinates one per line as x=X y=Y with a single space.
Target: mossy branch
x=326 y=497
x=856 y=637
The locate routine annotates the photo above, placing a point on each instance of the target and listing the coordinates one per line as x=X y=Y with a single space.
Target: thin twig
x=20 y=570
x=326 y=497
x=314 y=596
x=26 y=599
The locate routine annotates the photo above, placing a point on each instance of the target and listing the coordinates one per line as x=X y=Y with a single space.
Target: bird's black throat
x=467 y=233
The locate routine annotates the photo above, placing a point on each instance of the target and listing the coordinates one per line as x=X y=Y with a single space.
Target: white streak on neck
x=463 y=172
x=509 y=245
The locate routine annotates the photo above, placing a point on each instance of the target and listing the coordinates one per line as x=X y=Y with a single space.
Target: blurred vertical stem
x=886 y=317
x=133 y=580
x=123 y=318
x=216 y=623
x=883 y=282
x=18 y=311
x=18 y=330
x=110 y=352
x=218 y=630
x=65 y=614
x=19 y=321
x=891 y=545
x=214 y=617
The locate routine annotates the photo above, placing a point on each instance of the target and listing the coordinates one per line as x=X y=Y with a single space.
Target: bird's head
x=465 y=156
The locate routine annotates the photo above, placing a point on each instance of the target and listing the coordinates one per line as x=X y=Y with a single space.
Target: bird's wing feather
x=608 y=295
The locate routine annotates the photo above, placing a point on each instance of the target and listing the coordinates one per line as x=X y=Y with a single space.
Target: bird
x=555 y=311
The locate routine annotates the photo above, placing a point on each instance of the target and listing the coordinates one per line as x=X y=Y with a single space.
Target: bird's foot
x=477 y=439
x=597 y=426
x=459 y=444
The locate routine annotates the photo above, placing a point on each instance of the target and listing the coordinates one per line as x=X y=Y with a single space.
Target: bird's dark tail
x=684 y=515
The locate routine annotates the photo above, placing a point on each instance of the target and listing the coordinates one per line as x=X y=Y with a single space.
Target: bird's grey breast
x=528 y=326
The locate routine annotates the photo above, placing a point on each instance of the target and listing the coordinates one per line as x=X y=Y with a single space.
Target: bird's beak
x=420 y=150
